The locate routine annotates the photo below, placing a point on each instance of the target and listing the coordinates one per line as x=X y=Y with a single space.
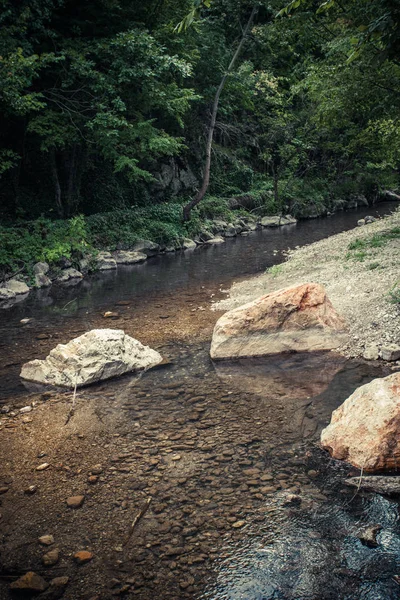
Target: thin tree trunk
x=187 y=209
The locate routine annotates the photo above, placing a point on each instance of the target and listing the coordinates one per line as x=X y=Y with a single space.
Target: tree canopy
x=100 y=99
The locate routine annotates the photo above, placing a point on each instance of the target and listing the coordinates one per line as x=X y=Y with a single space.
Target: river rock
x=230 y=231
x=146 y=247
x=41 y=280
x=6 y=294
x=16 y=288
x=371 y=352
x=271 y=221
x=205 y=236
x=105 y=261
x=126 y=257
x=41 y=267
x=365 y=429
x=277 y=221
x=288 y=220
x=390 y=352
x=96 y=355
x=30 y=583
x=67 y=274
x=215 y=240
x=188 y=244
x=296 y=319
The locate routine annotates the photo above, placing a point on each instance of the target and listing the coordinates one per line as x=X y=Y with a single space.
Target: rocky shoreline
x=359 y=270
x=70 y=272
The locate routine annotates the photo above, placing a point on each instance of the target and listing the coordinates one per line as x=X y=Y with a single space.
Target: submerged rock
x=381 y=484
x=365 y=429
x=96 y=355
x=296 y=319
x=30 y=583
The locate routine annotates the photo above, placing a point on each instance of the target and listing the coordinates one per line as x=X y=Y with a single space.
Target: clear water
x=299 y=540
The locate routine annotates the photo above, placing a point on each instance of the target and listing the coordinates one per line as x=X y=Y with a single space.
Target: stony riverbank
x=359 y=269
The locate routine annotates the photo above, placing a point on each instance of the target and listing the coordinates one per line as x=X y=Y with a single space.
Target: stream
x=245 y=505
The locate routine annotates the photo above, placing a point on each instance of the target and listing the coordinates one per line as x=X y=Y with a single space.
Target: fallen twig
x=138 y=517
x=70 y=302
x=72 y=409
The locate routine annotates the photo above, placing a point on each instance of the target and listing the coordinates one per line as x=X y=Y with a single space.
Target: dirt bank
x=358 y=269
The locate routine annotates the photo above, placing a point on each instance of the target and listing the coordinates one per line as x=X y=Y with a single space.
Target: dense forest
x=106 y=105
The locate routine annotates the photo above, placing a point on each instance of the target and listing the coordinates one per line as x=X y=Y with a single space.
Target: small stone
x=368 y=535
x=176 y=457
x=46 y=540
x=4 y=489
x=25 y=409
x=82 y=557
x=312 y=474
x=97 y=470
x=30 y=582
x=30 y=490
x=371 y=352
x=51 y=558
x=59 y=582
x=42 y=467
x=24 y=321
x=75 y=501
x=390 y=352
x=186 y=582
x=93 y=479
x=238 y=524
x=111 y=315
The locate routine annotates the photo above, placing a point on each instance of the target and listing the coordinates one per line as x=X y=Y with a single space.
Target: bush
x=42 y=240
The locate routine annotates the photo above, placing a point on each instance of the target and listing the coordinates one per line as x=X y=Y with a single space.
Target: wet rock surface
x=365 y=429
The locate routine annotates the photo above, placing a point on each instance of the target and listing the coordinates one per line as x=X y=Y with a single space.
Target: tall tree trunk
x=187 y=209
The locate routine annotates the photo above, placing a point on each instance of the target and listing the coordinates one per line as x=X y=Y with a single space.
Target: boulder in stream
x=96 y=355
x=365 y=429
x=296 y=319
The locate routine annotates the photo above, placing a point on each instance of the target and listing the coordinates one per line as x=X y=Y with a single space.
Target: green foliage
x=122 y=228
x=42 y=240
x=359 y=249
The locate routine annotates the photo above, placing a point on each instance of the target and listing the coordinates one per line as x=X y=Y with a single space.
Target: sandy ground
x=358 y=289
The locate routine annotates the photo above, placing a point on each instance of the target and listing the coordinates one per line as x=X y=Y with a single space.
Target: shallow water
x=246 y=433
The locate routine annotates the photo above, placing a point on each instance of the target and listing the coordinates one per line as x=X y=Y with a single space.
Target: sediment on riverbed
x=359 y=269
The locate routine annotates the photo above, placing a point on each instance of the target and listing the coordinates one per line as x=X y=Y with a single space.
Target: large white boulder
x=365 y=429
x=96 y=355
x=296 y=319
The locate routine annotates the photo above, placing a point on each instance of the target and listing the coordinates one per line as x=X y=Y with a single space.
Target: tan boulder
x=296 y=319
x=94 y=356
x=365 y=429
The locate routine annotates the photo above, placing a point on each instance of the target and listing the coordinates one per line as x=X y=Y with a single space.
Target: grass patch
x=275 y=270
x=359 y=249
